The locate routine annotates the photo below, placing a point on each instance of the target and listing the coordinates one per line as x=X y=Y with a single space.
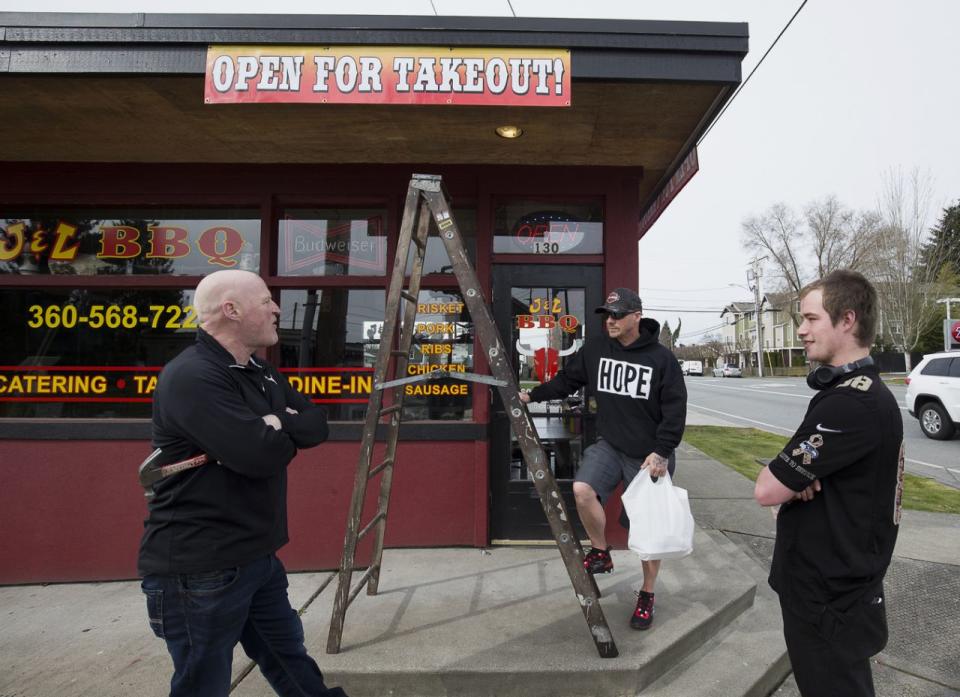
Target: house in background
x=739 y=335
x=781 y=345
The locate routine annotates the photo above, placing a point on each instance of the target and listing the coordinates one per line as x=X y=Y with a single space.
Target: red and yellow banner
x=78 y=383
x=119 y=384
x=387 y=75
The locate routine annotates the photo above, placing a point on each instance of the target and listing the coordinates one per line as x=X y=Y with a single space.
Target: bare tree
x=777 y=233
x=714 y=348
x=907 y=266
x=841 y=238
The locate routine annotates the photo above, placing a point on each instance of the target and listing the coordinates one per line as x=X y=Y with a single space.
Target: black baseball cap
x=621 y=300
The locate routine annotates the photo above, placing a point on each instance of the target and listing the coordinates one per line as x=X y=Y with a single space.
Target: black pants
x=832 y=657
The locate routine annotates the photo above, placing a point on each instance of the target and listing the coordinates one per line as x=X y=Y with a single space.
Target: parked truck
x=693 y=368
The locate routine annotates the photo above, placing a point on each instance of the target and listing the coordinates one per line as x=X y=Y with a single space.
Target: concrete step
x=747 y=659
x=505 y=622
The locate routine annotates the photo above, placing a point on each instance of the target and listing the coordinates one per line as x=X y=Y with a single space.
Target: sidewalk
x=503 y=622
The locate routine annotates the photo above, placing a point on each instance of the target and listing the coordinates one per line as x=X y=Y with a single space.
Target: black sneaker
x=642 y=617
x=598 y=561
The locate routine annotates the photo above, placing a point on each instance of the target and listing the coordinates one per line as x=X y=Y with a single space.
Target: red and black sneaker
x=642 y=617
x=598 y=561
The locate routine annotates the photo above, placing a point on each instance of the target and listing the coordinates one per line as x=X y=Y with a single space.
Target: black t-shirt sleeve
x=837 y=431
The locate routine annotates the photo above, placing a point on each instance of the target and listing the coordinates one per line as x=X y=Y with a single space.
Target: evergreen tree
x=666 y=336
x=945 y=236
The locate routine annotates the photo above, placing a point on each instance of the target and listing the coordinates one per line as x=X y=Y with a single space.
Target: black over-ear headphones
x=825 y=375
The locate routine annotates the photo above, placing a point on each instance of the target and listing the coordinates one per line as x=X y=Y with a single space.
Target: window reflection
x=436 y=260
x=326 y=347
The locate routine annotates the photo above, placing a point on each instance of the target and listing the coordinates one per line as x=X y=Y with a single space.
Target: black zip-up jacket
x=232 y=511
x=641 y=396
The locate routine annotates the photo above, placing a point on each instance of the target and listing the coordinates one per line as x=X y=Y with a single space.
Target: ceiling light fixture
x=509 y=131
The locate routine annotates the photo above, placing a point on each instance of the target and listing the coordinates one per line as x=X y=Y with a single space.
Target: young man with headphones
x=840 y=480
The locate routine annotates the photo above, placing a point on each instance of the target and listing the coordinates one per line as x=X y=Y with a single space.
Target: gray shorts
x=603 y=467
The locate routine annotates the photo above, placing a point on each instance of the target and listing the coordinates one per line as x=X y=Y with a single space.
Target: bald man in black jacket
x=208 y=554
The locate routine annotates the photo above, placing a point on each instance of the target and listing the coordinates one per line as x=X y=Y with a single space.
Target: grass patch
x=737 y=448
x=923 y=494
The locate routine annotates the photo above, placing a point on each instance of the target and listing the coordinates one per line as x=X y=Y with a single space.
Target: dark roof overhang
x=129 y=88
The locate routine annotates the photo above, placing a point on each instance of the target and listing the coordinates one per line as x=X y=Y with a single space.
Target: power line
x=744 y=83
x=691 y=332
x=684 y=290
x=699 y=301
x=700 y=332
x=682 y=309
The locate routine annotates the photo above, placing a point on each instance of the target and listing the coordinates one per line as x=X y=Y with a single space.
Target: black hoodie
x=641 y=396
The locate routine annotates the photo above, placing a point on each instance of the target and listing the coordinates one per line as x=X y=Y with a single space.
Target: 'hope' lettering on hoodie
x=623 y=378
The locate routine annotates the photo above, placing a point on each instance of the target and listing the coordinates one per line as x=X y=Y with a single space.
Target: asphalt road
x=778 y=404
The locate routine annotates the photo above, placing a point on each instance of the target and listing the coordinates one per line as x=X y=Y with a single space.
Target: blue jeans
x=203 y=616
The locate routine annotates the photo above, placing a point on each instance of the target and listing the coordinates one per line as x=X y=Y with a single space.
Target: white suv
x=933 y=394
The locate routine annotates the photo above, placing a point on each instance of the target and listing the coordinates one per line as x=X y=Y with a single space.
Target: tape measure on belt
x=150 y=473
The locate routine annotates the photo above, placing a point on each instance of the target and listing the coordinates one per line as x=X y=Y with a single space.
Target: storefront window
x=332 y=242
x=436 y=259
x=329 y=340
x=176 y=242
x=88 y=353
x=443 y=341
x=549 y=228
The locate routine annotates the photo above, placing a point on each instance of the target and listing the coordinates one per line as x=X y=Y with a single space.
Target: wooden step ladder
x=427 y=199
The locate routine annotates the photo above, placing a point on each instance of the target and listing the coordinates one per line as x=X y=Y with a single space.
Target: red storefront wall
x=73 y=510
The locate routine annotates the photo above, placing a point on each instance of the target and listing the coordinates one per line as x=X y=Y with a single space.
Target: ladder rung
x=398 y=353
x=379 y=468
x=409 y=296
x=392 y=408
x=360 y=584
x=366 y=528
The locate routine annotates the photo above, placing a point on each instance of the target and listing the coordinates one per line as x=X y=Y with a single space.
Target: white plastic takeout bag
x=661 y=525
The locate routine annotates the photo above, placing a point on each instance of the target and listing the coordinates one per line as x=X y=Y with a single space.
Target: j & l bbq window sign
x=182 y=242
x=387 y=75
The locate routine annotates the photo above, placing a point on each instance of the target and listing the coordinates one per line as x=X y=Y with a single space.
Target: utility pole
x=755 y=281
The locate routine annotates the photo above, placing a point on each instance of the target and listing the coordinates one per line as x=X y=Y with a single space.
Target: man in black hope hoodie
x=208 y=554
x=642 y=409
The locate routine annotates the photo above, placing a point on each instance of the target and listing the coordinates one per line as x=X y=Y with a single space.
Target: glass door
x=543 y=314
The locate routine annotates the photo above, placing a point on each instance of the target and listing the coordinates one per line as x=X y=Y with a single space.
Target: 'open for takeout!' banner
x=387 y=75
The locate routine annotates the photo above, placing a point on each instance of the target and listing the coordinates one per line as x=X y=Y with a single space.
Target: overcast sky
x=854 y=89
